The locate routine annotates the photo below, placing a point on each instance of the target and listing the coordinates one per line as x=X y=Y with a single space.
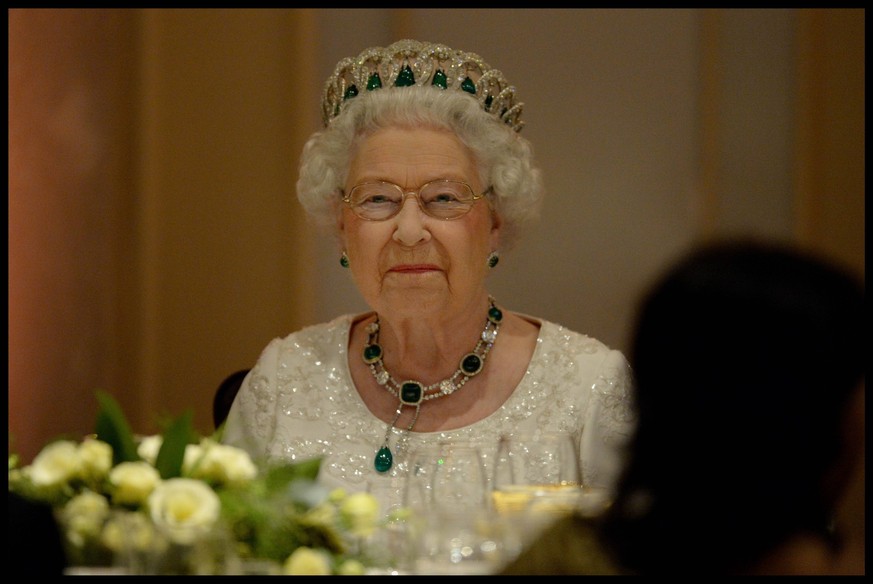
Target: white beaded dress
x=298 y=402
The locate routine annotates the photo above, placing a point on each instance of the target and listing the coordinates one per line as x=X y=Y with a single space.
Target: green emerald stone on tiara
x=468 y=86
x=351 y=92
x=439 y=79
x=374 y=82
x=406 y=78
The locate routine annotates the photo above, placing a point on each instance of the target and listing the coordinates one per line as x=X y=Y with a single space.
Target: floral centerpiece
x=150 y=503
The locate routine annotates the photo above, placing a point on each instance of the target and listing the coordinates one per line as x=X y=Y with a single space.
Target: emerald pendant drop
x=384 y=459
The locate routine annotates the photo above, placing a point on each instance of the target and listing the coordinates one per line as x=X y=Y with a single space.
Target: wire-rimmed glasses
x=440 y=199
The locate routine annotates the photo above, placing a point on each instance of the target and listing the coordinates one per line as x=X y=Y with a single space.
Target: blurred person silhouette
x=749 y=376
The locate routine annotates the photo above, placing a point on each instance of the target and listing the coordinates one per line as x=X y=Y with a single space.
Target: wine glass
x=536 y=477
x=389 y=492
x=419 y=478
x=145 y=549
x=458 y=481
x=389 y=548
x=446 y=476
x=448 y=493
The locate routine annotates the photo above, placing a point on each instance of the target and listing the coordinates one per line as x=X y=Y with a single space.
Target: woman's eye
x=377 y=200
x=444 y=198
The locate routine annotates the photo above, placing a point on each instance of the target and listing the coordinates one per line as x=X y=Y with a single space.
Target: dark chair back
x=225 y=395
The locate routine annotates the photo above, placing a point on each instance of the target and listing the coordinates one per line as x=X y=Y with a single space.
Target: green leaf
x=308 y=469
x=177 y=436
x=112 y=427
x=279 y=476
x=218 y=434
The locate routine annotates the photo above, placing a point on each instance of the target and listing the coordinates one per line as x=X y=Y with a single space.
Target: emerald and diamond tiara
x=409 y=62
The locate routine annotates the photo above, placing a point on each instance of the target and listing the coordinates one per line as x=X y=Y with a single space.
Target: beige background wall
x=156 y=243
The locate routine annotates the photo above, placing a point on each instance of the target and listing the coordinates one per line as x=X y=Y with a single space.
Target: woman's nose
x=411 y=223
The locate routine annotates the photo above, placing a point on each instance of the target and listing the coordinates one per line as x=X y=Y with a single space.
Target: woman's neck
x=424 y=347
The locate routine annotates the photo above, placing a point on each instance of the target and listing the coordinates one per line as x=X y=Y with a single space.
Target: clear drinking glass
x=141 y=548
x=447 y=492
x=389 y=549
x=536 y=477
x=458 y=482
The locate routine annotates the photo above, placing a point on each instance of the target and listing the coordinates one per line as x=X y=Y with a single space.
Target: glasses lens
x=446 y=199
x=376 y=201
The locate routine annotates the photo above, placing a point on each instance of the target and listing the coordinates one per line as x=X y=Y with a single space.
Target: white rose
x=323 y=515
x=148 y=448
x=351 y=568
x=221 y=464
x=337 y=495
x=83 y=516
x=235 y=464
x=305 y=561
x=192 y=460
x=55 y=465
x=184 y=508
x=129 y=531
x=95 y=457
x=360 y=511
x=133 y=482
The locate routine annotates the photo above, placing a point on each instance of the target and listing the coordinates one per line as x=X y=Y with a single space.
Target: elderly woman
x=422 y=174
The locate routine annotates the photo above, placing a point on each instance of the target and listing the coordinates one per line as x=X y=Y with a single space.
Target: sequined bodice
x=299 y=402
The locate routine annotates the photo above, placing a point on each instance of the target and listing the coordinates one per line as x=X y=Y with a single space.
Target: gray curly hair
x=504 y=159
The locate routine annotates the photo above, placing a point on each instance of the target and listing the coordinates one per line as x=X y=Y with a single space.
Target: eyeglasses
x=440 y=199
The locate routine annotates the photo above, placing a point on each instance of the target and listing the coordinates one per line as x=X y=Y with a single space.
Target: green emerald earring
x=344 y=259
x=493 y=258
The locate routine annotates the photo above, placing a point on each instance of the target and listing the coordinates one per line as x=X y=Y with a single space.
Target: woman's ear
x=338 y=215
x=339 y=223
x=339 y=233
x=496 y=226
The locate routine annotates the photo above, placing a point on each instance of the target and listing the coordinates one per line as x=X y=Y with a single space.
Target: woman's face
x=412 y=263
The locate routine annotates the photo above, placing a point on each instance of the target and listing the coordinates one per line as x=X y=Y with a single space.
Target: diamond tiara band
x=409 y=62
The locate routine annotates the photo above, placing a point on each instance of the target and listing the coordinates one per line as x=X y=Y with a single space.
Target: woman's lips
x=414 y=268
